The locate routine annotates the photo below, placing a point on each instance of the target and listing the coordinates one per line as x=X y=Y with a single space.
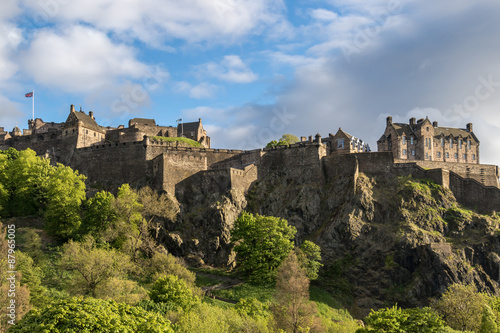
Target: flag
x=30 y=94
x=180 y=119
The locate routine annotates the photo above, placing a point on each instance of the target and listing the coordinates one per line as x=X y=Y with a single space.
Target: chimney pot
x=72 y=108
x=389 y=120
x=412 y=121
x=469 y=127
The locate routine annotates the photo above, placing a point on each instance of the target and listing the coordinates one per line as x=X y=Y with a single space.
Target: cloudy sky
x=255 y=69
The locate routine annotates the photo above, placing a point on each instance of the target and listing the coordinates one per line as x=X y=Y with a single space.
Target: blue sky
x=253 y=70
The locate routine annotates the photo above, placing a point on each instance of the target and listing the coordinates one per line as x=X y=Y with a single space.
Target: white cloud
x=80 y=59
x=10 y=114
x=202 y=90
x=231 y=69
x=158 y=21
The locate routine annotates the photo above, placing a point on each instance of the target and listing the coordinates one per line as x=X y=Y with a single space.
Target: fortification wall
x=110 y=165
x=472 y=193
x=177 y=166
x=242 y=179
x=245 y=158
x=483 y=173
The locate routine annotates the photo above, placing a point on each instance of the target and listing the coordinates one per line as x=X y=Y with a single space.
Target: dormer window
x=460 y=143
x=468 y=144
x=451 y=143
x=404 y=140
x=411 y=140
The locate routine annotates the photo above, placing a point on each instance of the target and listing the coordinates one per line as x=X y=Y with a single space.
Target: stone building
x=422 y=140
x=194 y=131
x=344 y=143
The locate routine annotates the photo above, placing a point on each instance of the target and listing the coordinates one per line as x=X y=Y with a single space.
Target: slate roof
x=142 y=121
x=454 y=132
x=189 y=127
x=85 y=119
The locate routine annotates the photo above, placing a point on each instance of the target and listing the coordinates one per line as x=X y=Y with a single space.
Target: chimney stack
x=91 y=114
x=72 y=108
x=435 y=124
x=469 y=127
x=303 y=138
x=412 y=121
x=389 y=120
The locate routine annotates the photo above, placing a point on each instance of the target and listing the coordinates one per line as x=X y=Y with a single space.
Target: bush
x=173 y=292
x=91 y=315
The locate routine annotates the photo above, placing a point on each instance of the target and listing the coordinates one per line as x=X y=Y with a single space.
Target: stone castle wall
x=483 y=173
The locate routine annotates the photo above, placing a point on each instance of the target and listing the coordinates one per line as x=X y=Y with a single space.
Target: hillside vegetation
x=293 y=255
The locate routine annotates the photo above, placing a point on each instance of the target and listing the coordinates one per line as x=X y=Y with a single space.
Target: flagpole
x=33 y=105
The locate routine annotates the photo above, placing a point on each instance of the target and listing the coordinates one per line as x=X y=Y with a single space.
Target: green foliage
x=32 y=276
x=162 y=264
x=208 y=318
x=309 y=256
x=178 y=139
x=99 y=214
x=65 y=192
x=93 y=266
x=262 y=293
x=285 y=140
x=251 y=307
x=91 y=315
x=173 y=292
x=262 y=243
x=462 y=307
x=488 y=321
x=403 y=320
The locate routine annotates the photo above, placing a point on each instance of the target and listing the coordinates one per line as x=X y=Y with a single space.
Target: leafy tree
x=395 y=320
x=163 y=263
x=173 y=291
x=25 y=179
x=99 y=214
x=91 y=315
x=488 y=321
x=93 y=266
x=309 y=256
x=31 y=277
x=65 y=192
x=292 y=310
x=262 y=243
x=461 y=307
x=285 y=140
x=251 y=307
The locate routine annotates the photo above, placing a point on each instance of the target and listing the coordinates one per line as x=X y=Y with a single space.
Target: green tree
x=93 y=266
x=262 y=243
x=163 y=263
x=461 y=307
x=25 y=180
x=99 y=214
x=309 y=256
x=488 y=321
x=65 y=192
x=91 y=315
x=292 y=310
x=173 y=291
x=396 y=320
x=285 y=140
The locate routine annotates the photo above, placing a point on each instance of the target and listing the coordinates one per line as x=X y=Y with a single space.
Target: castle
x=139 y=155
x=425 y=141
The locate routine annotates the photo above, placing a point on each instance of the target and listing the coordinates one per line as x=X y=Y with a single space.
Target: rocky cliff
x=384 y=239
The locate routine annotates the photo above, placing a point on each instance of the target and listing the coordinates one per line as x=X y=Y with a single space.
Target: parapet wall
x=472 y=193
x=110 y=165
x=483 y=173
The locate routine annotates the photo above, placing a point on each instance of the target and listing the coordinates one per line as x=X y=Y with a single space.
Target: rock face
x=383 y=239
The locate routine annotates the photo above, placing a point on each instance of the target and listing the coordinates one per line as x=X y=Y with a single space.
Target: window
x=340 y=143
x=426 y=156
x=473 y=157
x=456 y=156
x=404 y=151
x=451 y=143
x=411 y=140
x=86 y=131
x=468 y=144
x=464 y=156
x=427 y=128
x=413 y=152
x=447 y=155
x=442 y=142
x=439 y=154
x=404 y=140
x=460 y=143
x=95 y=134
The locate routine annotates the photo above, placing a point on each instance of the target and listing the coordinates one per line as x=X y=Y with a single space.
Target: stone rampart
x=471 y=193
x=483 y=173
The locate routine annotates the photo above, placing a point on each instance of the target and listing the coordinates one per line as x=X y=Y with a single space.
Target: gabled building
x=194 y=131
x=426 y=141
x=344 y=143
